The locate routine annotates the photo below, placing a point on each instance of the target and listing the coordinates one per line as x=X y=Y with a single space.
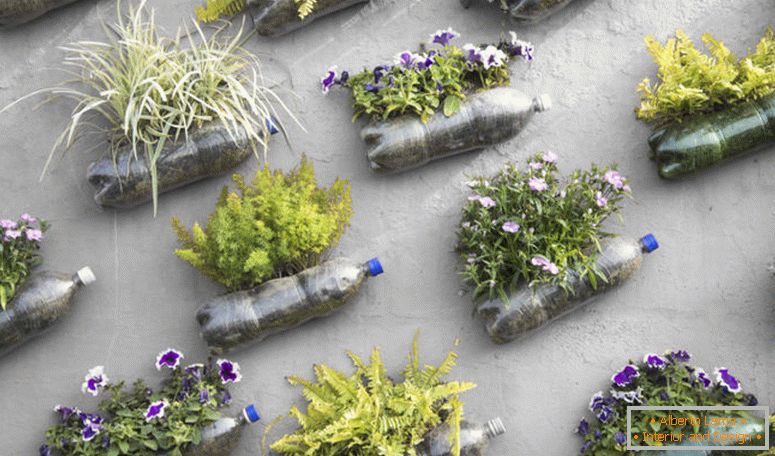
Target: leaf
x=451 y=105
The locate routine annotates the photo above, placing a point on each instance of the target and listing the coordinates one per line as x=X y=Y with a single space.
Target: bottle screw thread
x=495 y=428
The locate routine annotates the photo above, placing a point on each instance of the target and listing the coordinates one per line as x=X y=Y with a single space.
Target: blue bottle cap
x=375 y=267
x=649 y=243
x=251 y=414
x=271 y=124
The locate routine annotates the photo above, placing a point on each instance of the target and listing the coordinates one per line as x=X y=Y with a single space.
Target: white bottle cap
x=86 y=276
x=543 y=102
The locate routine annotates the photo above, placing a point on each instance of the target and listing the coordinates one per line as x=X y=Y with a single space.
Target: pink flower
x=487 y=202
x=545 y=265
x=510 y=227
x=537 y=184
x=601 y=200
x=535 y=165
x=34 y=235
x=615 y=179
x=28 y=218
x=550 y=157
x=12 y=234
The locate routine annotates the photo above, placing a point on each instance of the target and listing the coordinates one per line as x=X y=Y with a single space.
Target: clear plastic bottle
x=208 y=151
x=245 y=317
x=277 y=17
x=528 y=10
x=474 y=439
x=531 y=308
x=704 y=140
x=17 y=12
x=484 y=119
x=223 y=436
x=39 y=304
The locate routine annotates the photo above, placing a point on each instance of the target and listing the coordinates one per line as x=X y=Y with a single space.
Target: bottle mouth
x=375 y=267
x=495 y=427
x=86 y=276
x=251 y=414
x=649 y=243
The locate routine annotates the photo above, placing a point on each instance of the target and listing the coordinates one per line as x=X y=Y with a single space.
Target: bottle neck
x=494 y=428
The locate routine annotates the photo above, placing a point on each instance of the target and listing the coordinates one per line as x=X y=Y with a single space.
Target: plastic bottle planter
x=245 y=317
x=529 y=309
x=209 y=151
x=223 y=436
x=484 y=119
x=474 y=439
x=17 y=12
x=277 y=17
x=529 y=10
x=702 y=141
x=40 y=303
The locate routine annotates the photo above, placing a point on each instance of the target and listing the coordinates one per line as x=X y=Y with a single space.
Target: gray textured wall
x=706 y=289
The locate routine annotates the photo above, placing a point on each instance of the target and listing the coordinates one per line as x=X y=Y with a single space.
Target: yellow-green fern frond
x=217 y=9
x=306 y=7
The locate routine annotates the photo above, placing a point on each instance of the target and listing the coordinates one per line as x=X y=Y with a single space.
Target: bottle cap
x=251 y=414
x=375 y=267
x=86 y=276
x=543 y=102
x=649 y=243
x=271 y=125
x=495 y=427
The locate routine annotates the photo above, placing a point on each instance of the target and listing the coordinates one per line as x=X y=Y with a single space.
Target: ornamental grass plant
x=142 y=421
x=277 y=226
x=19 y=253
x=657 y=380
x=367 y=413
x=144 y=91
x=529 y=225
x=426 y=82
x=691 y=82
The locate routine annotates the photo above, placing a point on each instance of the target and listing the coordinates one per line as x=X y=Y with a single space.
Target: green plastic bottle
x=705 y=140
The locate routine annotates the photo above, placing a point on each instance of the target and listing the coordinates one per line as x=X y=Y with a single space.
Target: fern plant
x=367 y=413
x=693 y=82
x=278 y=226
x=217 y=9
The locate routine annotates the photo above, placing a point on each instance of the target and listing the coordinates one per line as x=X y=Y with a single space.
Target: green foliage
x=558 y=226
x=692 y=82
x=19 y=246
x=676 y=384
x=123 y=424
x=422 y=87
x=367 y=413
x=275 y=227
x=151 y=91
x=217 y=9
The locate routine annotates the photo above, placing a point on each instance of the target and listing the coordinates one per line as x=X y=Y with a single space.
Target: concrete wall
x=706 y=290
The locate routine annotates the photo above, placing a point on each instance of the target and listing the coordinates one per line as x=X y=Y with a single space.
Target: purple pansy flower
x=681 y=356
x=510 y=227
x=702 y=377
x=664 y=395
x=486 y=202
x=226 y=397
x=545 y=265
x=94 y=381
x=229 y=371
x=406 y=59
x=156 y=410
x=65 y=412
x=371 y=88
x=443 y=37
x=44 y=450
x=550 y=157
x=620 y=438
x=89 y=432
x=8 y=224
x=34 y=235
x=204 y=396
x=725 y=379
x=379 y=72
x=625 y=376
x=521 y=48
x=195 y=370
x=473 y=53
x=492 y=57
x=168 y=358
x=583 y=427
x=600 y=200
x=615 y=179
x=537 y=184
x=586 y=446
x=630 y=397
x=654 y=361
x=426 y=60
x=329 y=79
